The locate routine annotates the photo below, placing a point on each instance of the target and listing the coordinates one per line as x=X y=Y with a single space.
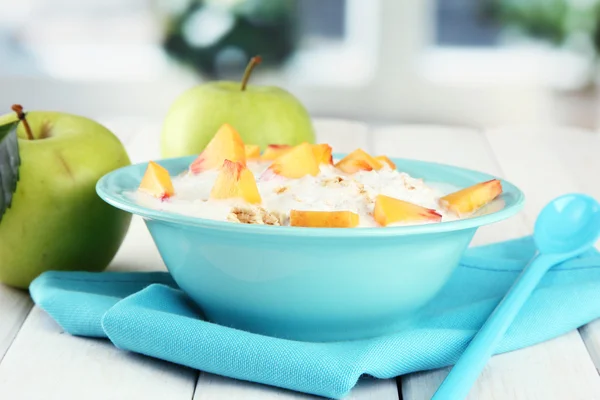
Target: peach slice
x=389 y=210
x=322 y=153
x=275 y=150
x=385 y=160
x=157 y=182
x=358 y=160
x=296 y=163
x=225 y=145
x=323 y=219
x=235 y=180
x=252 y=151
x=471 y=199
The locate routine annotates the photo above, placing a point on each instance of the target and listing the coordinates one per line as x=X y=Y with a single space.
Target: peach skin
x=252 y=151
x=322 y=153
x=471 y=199
x=157 y=182
x=389 y=210
x=358 y=160
x=225 y=145
x=386 y=160
x=296 y=163
x=235 y=180
x=275 y=150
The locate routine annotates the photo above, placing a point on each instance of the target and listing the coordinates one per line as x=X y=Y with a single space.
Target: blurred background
x=461 y=62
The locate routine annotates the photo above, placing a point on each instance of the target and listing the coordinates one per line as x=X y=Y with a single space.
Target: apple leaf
x=9 y=164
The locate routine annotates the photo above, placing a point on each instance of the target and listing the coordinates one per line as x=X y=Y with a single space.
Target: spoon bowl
x=567 y=224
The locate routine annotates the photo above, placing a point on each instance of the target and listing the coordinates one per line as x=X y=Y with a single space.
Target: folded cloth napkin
x=146 y=313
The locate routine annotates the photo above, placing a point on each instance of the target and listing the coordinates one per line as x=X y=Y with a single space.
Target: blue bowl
x=311 y=284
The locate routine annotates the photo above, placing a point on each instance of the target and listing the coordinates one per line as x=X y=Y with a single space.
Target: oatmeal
x=304 y=186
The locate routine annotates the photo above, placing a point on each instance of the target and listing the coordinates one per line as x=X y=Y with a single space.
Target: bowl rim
x=109 y=196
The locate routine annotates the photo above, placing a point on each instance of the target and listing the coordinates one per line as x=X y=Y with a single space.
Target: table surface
x=38 y=360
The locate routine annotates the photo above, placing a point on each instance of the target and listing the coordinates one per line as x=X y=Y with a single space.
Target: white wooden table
x=38 y=361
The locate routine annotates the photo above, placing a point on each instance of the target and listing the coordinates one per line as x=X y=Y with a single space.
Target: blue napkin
x=146 y=313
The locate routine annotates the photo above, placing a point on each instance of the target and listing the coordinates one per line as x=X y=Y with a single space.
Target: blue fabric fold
x=146 y=313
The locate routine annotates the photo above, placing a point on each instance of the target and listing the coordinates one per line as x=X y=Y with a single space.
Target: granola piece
x=252 y=215
x=280 y=189
x=364 y=193
x=409 y=182
x=269 y=218
x=361 y=188
x=335 y=181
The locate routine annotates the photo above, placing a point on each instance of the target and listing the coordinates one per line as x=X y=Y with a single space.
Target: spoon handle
x=463 y=375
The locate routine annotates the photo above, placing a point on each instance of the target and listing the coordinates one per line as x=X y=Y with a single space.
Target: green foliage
x=552 y=20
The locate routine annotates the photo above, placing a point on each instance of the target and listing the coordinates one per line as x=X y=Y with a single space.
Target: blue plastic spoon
x=567 y=227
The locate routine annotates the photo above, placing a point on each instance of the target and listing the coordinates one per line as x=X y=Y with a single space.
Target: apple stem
x=254 y=61
x=17 y=108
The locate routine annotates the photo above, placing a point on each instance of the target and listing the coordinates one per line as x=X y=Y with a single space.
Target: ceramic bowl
x=311 y=284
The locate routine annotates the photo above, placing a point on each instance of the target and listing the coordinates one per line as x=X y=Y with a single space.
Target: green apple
x=56 y=220
x=262 y=115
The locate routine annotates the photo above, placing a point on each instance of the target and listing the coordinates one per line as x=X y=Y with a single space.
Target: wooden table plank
x=211 y=387
x=498 y=378
x=512 y=374
x=549 y=162
x=591 y=337
x=343 y=135
x=14 y=307
x=128 y=128
x=44 y=362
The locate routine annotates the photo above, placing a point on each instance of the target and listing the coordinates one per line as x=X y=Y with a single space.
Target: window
x=123 y=41
x=465 y=23
x=432 y=60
